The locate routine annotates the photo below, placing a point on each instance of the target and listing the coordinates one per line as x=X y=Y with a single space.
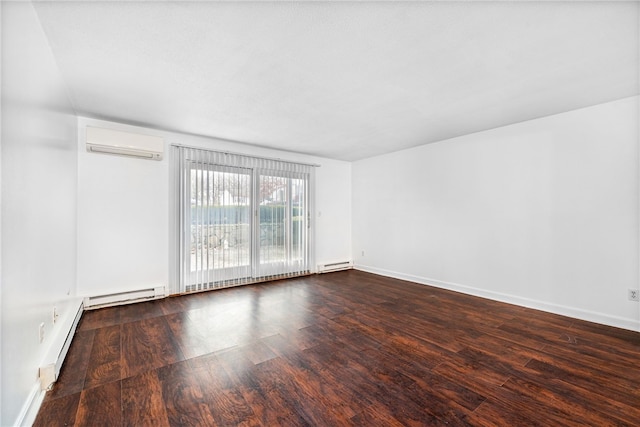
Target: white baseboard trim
x=590 y=316
x=29 y=411
x=52 y=363
x=58 y=343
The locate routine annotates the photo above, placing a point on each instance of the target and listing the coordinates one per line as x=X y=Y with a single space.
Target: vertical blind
x=239 y=219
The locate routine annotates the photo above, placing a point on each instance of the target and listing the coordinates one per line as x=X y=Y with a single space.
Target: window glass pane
x=273 y=205
x=220 y=223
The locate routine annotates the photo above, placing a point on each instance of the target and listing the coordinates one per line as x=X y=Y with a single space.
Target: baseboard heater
x=335 y=266
x=127 y=297
x=50 y=369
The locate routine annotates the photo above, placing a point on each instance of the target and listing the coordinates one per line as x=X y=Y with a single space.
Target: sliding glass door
x=239 y=219
x=282 y=223
x=220 y=214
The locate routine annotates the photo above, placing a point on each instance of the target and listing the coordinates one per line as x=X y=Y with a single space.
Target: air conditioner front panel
x=109 y=141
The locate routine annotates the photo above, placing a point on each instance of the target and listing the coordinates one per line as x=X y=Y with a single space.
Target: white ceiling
x=340 y=80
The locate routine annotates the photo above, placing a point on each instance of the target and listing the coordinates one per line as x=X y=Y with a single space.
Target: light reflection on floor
x=234 y=318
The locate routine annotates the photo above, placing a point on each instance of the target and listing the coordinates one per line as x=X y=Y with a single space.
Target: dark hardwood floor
x=346 y=348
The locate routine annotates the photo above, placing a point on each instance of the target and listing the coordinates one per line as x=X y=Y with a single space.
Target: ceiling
x=340 y=80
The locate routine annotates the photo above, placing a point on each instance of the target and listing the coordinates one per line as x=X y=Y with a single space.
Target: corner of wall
x=638 y=154
x=39 y=124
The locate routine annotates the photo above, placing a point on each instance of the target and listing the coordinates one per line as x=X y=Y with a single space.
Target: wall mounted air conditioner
x=109 y=141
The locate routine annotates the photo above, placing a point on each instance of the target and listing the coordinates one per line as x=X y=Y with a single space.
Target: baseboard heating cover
x=335 y=266
x=50 y=369
x=127 y=297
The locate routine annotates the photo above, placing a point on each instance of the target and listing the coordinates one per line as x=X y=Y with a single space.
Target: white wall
x=0 y=219
x=122 y=221
x=333 y=211
x=38 y=205
x=123 y=211
x=542 y=213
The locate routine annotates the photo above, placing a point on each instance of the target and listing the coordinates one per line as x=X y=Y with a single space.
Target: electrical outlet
x=55 y=314
x=362 y=253
x=634 y=295
x=41 y=332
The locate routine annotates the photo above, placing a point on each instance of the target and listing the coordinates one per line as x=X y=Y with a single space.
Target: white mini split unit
x=109 y=141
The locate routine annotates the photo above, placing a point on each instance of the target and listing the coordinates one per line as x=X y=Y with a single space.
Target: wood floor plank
x=100 y=406
x=347 y=348
x=435 y=409
x=183 y=397
x=300 y=339
x=514 y=336
x=277 y=405
x=536 y=330
x=439 y=336
x=569 y=408
x=104 y=362
x=58 y=412
x=607 y=406
x=624 y=390
x=376 y=381
x=262 y=399
x=224 y=397
x=281 y=378
x=73 y=373
x=616 y=336
x=472 y=375
x=502 y=349
x=616 y=349
x=148 y=344
x=607 y=363
x=495 y=413
x=136 y=312
x=142 y=401
x=237 y=366
x=100 y=318
x=598 y=411
x=193 y=342
x=375 y=415
x=258 y=352
x=208 y=330
x=341 y=402
x=535 y=407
